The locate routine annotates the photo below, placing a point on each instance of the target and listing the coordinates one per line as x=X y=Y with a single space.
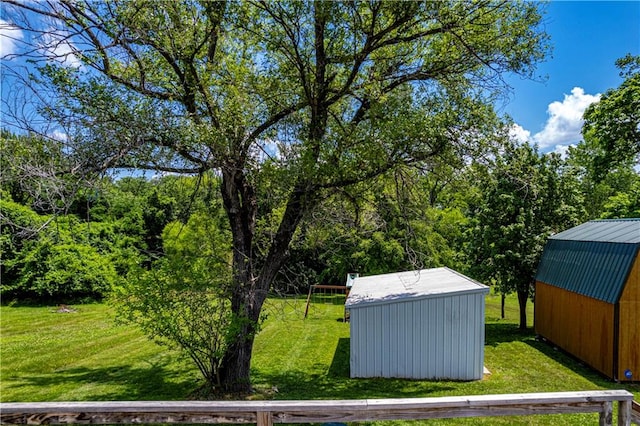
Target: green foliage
x=19 y=218
x=597 y=190
x=526 y=198
x=624 y=204
x=378 y=228
x=71 y=256
x=203 y=237
x=55 y=263
x=439 y=238
x=158 y=211
x=19 y=224
x=38 y=173
x=183 y=300
x=613 y=123
x=68 y=271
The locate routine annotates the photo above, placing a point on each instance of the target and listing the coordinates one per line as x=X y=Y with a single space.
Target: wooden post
x=606 y=415
x=624 y=413
x=306 y=310
x=264 y=418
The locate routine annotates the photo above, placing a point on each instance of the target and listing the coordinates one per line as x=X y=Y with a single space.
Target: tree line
x=314 y=139
x=67 y=242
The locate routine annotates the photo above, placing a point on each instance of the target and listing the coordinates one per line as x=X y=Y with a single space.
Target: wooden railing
x=266 y=413
x=635 y=412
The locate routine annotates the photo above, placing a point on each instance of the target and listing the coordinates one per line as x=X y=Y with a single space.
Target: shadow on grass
x=337 y=384
x=577 y=366
x=152 y=382
x=303 y=386
x=339 y=367
x=496 y=333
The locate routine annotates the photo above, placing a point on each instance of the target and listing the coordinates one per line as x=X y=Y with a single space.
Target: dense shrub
x=45 y=259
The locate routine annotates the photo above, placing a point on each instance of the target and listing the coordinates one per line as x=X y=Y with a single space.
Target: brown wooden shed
x=587 y=298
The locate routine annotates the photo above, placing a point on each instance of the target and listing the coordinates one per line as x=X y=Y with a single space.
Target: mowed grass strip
x=86 y=356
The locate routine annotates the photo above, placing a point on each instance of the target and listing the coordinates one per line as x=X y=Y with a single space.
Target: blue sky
x=587 y=38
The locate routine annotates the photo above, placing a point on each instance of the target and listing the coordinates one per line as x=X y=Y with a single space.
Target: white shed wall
x=432 y=338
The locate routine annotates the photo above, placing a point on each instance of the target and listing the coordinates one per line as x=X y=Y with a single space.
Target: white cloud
x=59 y=136
x=58 y=47
x=565 y=119
x=519 y=133
x=563 y=150
x=10 y=36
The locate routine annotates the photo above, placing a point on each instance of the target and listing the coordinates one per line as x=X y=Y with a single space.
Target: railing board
x=129 y=418
x=508 y=399
x=268 y=412
x=635 y=412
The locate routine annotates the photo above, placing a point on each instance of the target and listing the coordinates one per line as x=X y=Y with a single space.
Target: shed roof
x=593 y=259
x=609 y=230
x=408 y=285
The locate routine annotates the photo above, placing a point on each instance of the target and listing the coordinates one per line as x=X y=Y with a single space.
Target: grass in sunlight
x=85 y=355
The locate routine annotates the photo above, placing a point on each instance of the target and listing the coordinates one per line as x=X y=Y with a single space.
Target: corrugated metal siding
x=611 y=231
x=593 y=269
x=437 y=338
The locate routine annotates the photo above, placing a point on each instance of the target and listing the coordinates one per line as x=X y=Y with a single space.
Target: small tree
x=526 y=198
x=183 y=303
x=185 y=298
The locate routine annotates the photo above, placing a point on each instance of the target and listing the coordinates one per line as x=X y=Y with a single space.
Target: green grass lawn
x=49 y=356
x=86 y=356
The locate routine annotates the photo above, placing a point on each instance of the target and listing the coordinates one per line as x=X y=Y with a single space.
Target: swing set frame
x=314 y=287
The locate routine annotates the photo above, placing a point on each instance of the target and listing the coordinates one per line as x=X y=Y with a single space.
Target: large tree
x=327 y=94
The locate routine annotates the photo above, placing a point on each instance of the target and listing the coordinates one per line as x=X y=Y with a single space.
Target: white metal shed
x=426 y=324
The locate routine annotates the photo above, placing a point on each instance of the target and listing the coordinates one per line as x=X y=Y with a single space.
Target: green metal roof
x=593 y=259
x=609 y=230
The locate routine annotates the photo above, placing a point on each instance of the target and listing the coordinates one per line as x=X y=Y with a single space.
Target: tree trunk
x=234 y=373
x=523 y=296
x=249 y=287
x=240 y=203
x=502 y=301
